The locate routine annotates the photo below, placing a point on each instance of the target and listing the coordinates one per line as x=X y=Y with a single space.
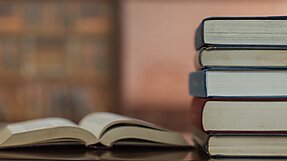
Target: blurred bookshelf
x=57 y=58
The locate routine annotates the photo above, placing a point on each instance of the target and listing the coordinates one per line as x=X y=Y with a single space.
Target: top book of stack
x=257 y=42
x=255 y=32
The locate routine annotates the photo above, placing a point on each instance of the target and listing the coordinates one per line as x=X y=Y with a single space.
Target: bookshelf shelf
x=77 y=80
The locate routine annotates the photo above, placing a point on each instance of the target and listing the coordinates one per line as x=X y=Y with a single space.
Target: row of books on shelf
x=42 y=100
x=52 y=17
x=240 y=98
x=55 y=55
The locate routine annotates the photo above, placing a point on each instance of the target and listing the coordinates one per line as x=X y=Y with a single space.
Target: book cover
x=200 y=42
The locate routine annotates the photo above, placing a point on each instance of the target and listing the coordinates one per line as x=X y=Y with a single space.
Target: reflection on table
x=77 y=152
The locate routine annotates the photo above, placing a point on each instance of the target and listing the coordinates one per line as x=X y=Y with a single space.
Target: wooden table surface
x=74 y=152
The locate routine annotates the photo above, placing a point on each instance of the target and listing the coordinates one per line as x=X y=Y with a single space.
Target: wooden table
x=119 y=153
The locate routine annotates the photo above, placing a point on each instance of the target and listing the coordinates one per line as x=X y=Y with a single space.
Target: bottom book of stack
x=240 y=127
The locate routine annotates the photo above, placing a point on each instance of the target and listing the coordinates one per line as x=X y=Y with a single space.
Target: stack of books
x=239 y=106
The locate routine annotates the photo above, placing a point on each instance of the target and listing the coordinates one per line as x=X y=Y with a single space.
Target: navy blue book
x=245 y=32
x=238 y=83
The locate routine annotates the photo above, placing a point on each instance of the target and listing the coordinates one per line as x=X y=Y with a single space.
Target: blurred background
x=68 y=58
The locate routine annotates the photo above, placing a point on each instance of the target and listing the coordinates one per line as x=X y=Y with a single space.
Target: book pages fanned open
x=101 y=128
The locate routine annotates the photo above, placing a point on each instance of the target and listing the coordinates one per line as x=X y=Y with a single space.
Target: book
x=94 y=130
x=241 y=144
x=235 y=83
x=238 y=57
x=265 y=32
x=239 y=115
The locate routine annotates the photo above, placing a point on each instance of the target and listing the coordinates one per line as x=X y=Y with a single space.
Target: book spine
x=197 y=105
x=199 y=135
x=199 y=37
x=197 y=84
x=198 y=60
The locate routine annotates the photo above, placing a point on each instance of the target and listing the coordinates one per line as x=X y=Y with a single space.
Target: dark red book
x=239 y=115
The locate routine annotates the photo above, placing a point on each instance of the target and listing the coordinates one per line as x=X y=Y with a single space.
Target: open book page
x=39 y=124
x=44 y=131
x=142 y=134
x=112 y=128
x=98 y=123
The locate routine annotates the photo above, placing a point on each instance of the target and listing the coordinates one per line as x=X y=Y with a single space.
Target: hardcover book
x=243 y=144
x=239 y=115
x=241 y=57
x=242 y=83
x=262 y=32
x=94 y=130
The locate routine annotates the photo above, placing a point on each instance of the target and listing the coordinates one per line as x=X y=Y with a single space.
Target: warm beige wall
x=158 y=50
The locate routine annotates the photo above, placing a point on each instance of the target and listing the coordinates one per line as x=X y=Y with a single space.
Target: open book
x=96 y=129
